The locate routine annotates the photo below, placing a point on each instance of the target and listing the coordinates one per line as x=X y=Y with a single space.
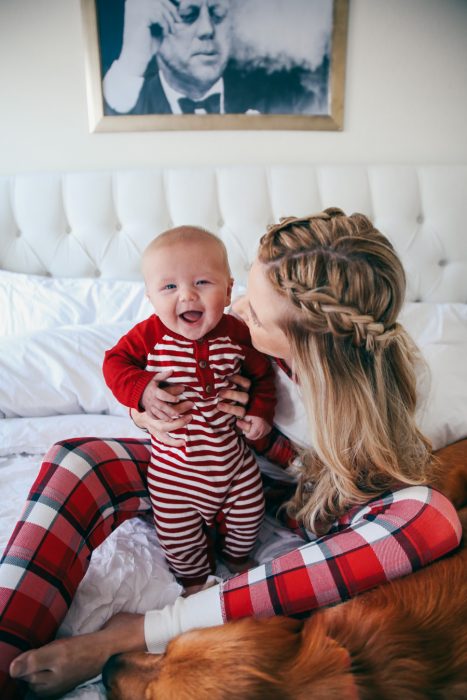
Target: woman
x=323 y=296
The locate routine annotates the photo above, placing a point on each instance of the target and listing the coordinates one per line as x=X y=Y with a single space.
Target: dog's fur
x=406 y=640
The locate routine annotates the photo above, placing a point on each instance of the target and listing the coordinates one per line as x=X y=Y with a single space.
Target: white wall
x=406 y=96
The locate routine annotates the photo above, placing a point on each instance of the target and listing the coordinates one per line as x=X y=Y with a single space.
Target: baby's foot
x=240 y=567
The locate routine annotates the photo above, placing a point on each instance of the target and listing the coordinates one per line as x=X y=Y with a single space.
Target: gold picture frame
x=101 y=121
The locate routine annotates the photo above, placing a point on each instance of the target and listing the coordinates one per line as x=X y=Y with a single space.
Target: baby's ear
x=228 y=298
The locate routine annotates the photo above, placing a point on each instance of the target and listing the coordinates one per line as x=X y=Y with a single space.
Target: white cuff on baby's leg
x=201 y=609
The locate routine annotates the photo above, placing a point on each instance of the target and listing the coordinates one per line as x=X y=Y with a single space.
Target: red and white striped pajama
x=213 y=479
x=87 y=487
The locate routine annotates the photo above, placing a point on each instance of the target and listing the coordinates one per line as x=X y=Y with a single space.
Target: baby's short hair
x=188 y=234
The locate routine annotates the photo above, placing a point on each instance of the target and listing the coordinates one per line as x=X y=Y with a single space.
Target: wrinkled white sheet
x=128 y=571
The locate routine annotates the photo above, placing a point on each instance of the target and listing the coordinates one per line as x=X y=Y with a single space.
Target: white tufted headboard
x=89 y=224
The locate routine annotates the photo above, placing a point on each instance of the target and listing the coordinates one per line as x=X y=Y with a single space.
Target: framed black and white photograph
x=215 y=64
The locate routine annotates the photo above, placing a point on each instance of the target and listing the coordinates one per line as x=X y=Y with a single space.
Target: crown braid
x=311 y=261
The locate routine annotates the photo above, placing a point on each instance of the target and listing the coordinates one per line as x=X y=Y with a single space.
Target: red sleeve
x=388 y=537
x=277 y=448
x=124 y=364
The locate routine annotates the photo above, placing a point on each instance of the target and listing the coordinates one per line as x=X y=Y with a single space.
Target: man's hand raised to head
x=139 y=45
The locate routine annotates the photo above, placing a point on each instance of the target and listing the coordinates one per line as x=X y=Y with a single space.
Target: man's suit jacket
x=245 y=88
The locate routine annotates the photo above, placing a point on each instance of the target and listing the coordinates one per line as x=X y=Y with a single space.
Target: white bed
x=69 y=287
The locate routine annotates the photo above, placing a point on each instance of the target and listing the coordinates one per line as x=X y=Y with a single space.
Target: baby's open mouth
x=191 y=316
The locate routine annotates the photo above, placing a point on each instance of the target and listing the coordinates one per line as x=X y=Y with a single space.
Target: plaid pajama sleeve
x=389 y=537
x=85 y=489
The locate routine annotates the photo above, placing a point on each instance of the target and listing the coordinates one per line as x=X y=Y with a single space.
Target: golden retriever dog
x=406 y=640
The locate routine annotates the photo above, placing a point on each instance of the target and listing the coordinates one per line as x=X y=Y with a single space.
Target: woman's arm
x=391 y=536
x=57 y=667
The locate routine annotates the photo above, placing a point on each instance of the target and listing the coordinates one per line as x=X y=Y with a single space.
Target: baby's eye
x=169 y=286
x=203 y=282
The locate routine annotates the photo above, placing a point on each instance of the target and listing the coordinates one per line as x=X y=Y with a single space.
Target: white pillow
x=440 y=331
x=32 y=302
x=58 y=371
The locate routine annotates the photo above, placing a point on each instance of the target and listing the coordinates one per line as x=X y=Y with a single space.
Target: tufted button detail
x=68 y=229
x=417 y=300
x=420 y=219
x=98 y=273
x=119 y=226
x=443 y=262
x=18 y=234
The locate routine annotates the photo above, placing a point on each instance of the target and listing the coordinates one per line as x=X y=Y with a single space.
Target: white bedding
x=51 y=387
x=128 y=571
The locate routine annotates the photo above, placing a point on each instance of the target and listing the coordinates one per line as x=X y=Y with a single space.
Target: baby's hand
x=257 y=429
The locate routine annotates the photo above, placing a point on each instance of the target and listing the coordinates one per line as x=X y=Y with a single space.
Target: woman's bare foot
x=63 y=664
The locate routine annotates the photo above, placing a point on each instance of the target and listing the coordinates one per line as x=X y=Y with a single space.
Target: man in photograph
x=172 y=59
x=176 y=58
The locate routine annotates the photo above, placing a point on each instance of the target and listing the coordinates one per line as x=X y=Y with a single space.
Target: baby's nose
x=188 y=293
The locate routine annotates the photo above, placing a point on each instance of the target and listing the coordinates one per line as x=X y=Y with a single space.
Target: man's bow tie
x=211 y=105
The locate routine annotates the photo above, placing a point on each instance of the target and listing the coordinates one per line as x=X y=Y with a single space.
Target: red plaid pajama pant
x=87 y=487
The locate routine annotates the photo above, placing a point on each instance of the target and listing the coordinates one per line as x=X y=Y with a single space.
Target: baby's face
x=188 y=285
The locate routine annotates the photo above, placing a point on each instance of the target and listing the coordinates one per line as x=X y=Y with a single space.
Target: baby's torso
x=204 y=367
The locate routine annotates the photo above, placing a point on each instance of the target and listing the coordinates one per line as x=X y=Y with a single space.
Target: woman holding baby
x=323 y=297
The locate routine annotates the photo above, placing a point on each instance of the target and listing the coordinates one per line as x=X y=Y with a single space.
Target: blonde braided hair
x=353 y=360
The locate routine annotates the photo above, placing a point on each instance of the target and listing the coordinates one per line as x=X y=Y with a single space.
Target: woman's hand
x=174 y=414
x=160 y=400
x=234 y=403
x=236 y=400
x=160 y=428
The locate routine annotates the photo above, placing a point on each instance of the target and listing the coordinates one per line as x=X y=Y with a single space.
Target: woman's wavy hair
x=354 y=363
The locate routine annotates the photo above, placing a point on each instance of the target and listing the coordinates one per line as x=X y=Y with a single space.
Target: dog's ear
x=322 y=668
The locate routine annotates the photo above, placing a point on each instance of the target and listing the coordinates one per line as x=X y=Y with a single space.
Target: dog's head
x=128 y=676
x=233 y=662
